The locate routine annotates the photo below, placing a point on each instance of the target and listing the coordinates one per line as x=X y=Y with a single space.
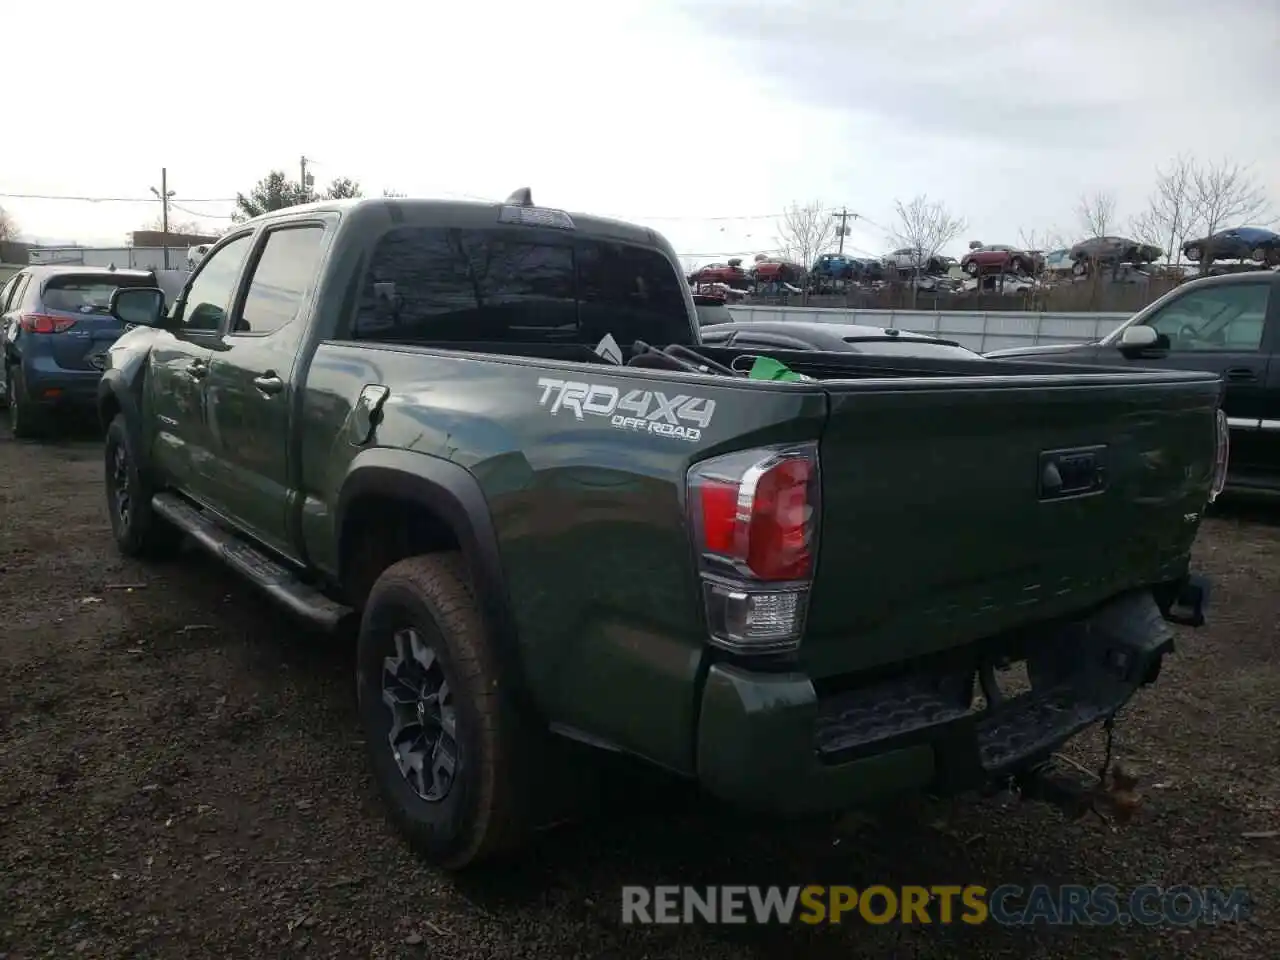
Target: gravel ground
x=181 y=775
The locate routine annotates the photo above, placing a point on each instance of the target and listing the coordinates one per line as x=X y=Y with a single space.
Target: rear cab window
x=519 y=286
x=711 y=310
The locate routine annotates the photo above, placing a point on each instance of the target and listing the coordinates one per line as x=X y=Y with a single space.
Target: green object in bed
x=767 y=368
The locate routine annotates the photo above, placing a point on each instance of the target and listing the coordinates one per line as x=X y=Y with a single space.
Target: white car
x=196 y=254
x=907 y=258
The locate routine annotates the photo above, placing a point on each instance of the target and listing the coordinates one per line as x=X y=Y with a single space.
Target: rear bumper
x=51 y=386
x=774 y=743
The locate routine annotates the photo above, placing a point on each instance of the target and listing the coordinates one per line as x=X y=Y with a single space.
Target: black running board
x=274 y=579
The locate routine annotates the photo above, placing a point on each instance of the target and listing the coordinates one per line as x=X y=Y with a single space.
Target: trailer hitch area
x=1184 y=602
x=1078 y=794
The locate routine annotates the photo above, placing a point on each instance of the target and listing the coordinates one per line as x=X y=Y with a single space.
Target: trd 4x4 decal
x=648 y=411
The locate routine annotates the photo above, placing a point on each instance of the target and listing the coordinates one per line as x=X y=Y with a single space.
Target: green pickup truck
x=488 y=437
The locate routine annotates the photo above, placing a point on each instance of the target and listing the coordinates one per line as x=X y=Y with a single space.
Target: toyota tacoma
x=486 y=440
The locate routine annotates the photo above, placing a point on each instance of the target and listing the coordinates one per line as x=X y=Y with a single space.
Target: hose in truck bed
x=676 y=357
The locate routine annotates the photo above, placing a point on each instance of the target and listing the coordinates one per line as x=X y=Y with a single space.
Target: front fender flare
x=115 y=388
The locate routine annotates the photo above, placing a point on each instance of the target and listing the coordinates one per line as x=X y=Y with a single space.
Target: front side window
x=1217 y=318
x=6 y=295
x=501 y=285
x=18 y=292
x=209 y=297
x=281 y=279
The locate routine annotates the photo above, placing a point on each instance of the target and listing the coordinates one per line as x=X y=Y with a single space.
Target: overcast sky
x=677 y=114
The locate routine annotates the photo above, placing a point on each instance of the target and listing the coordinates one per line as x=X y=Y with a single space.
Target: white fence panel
x=977 y=330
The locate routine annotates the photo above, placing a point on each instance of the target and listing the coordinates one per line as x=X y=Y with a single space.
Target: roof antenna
x=521 y=198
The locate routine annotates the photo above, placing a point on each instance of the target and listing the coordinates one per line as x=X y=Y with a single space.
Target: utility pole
x=302 y=174
x=164 y=194
x=844 y=216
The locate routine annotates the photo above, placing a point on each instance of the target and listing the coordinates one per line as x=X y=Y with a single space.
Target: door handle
x=268 y=383
x=197 y=369
x=1241 y=375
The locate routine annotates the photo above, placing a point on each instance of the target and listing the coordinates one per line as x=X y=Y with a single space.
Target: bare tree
x=8 y=226
x=1097 y=213
x=1224 y=194
x=925 y=227
x=175 y=226
x=803 y=233
x=1167 y=220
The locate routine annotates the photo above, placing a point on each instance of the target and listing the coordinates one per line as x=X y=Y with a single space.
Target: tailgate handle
x=1241 y=375
x=1073 y=473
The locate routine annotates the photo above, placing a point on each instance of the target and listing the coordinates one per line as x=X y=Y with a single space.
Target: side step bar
x=274 y=579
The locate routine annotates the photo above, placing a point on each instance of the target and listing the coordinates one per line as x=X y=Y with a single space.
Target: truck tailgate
x=955 y=509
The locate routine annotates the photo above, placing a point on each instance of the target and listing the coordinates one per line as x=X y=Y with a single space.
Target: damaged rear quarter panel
x=587 y=503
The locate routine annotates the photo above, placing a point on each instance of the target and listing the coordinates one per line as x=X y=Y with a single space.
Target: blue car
x=1238 y=243
x=56 y=327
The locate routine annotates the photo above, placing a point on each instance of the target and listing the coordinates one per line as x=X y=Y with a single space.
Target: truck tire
x=138 y=530
x=449 y=752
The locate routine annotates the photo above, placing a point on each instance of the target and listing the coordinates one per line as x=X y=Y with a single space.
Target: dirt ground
x=181 y=775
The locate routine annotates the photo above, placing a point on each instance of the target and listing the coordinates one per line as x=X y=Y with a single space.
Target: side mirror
x=138 y=306
x=1138 y=337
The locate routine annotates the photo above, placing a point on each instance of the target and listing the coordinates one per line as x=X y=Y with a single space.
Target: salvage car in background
x=768 y=270
x=56 y=326
x=1228 y=325
x=910 y=259
x=997 y=258
x=1238 y=243
x=1058 y=262
x=1109 y=250
x=729 y=273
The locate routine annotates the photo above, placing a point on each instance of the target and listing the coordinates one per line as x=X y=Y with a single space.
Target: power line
x=53 y=196
x=470 y=196
x=686 y=218
x=200 y=213
x=738 y=253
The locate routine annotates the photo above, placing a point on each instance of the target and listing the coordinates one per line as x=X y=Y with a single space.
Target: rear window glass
x=518 y=286
x=72 y=294
x=913 y=348
x=710 y=313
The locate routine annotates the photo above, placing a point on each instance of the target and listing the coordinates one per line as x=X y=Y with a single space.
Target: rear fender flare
x=453 y=495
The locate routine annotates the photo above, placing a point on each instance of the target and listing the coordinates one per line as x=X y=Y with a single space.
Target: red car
x=779 y=271
x=997 y=258
x=730 y=273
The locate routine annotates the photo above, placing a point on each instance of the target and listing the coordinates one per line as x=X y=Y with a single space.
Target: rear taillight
x=1221 y=454
x=754 y=518
x=43 y=323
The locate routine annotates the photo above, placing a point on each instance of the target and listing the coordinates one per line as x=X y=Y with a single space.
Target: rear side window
x=86 y=294
x=518 y=286
x=281 y=280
